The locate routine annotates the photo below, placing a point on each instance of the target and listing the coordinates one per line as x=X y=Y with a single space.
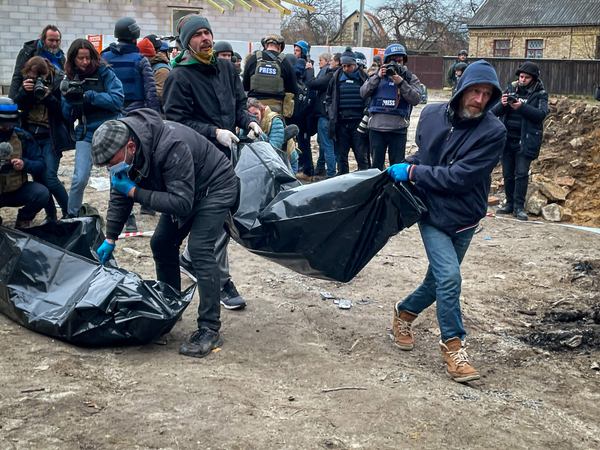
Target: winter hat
x=146 y=48
x=529 y=68
x=348 y=56
x=188 y=25
x=108 y=139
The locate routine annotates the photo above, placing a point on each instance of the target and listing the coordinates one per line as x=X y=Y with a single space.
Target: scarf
x=204 y=57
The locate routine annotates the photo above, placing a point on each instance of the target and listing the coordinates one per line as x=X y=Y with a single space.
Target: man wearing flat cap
x=205 y=93
x=172 y=169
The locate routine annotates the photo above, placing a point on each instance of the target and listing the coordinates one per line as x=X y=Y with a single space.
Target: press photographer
x=92 y=94
x=40 y=103
x=19 y=155
x=393 y=90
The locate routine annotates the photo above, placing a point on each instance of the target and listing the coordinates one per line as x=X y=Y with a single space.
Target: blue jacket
x=33 y=160
x=456 y=156
x=136 y=75
x=109 y=102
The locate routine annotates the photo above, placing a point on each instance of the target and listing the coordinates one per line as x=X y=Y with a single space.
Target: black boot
x=201 y=343
x=131 y=224
x=146 y=210
x=506 y=209
x=520 y=214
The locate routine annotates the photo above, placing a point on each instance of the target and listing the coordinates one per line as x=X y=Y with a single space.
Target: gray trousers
x=220 y=256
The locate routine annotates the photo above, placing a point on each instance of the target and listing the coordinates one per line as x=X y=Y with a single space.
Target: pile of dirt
x=565 y=180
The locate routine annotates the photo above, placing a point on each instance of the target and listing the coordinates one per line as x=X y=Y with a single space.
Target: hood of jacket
x=147 y=125
x=478 y=72
x=160 y=57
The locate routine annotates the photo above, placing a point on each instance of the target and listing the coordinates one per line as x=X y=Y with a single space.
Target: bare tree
x=428 y=25
x=315 y=27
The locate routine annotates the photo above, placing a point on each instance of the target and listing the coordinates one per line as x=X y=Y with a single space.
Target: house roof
x=538 y=13
x=371 y=20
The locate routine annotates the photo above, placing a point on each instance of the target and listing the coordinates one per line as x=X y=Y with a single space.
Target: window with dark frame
x=502 y=48
x=534 y=48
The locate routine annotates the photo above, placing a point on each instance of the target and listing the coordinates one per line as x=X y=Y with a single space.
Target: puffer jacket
x=174 y=167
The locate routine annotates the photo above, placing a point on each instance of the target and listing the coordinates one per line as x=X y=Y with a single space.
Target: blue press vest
x=387 y=100
x=351 y=103
x=126 y=69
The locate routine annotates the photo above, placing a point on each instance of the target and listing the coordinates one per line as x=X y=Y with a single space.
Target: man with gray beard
x=47 y=46
x=460 y=143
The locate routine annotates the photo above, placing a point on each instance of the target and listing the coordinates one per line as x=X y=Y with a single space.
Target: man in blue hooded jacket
x=459 y=145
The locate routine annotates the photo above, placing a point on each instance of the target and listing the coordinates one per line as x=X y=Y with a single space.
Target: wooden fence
x=560 y=76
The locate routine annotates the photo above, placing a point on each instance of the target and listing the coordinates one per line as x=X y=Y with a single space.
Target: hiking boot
x=520 y=214
x=303 y=177
x=23 y=224
x=458 y=366
x=147 y=211
x=320 y=172
x=404 y=337
x=231 y=298
x=201 y=343
x=506 y=209
x=131 y=224
x=185 y=266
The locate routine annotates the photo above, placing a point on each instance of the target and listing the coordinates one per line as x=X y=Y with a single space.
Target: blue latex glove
x=121 y=183
x=105 y=251
x=399 y=172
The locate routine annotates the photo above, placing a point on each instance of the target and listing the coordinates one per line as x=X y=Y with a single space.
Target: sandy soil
x=531 y=304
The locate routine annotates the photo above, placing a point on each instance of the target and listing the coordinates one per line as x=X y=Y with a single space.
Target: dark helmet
x=463 y=52
x=9 y=111
x=273 y=38
x=361 y=59
x=127 y=29
x=530 y=68
x=156 y=42
x=460 y=66
x=394 y=49
x=222 y=47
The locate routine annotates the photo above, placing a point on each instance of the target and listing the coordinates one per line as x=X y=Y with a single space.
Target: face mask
x=120 y=168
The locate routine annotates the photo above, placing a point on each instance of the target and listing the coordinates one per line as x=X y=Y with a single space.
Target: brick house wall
x=558 y=42
x=347 y=36
x=23 y=20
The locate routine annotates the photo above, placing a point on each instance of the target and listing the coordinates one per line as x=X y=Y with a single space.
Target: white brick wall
x=23 y=20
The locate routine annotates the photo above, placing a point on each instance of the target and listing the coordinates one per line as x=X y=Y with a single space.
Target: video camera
x=511 y=99
x=393 y=68
x=5 y=151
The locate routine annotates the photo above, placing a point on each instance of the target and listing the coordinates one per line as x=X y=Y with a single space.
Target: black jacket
x=174 y=167
x=205 y=97
x=532 y=113
x=333 y=98
x=319 y=85
x=290 y=83
x=29 y=50
x=57 y=125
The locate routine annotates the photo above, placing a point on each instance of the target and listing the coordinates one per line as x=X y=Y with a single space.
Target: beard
x=52 y=51
x=464 y=113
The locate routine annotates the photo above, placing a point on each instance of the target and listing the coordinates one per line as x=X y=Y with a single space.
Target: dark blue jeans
x=204 y=227
x=51 y=180
x=394 y=143
x=31 y=196
x=442 y=282
x=515 y=170
x=326 y=151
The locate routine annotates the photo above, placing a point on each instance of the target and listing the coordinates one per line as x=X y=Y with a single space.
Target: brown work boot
x=404 y=338
x=458 y=366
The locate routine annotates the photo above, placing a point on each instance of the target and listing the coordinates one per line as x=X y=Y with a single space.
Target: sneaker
x=506 y=209
x=131 y=224
x=520 y=214
x=231 y=298
x=201 y=343
x=404 y=338
x=458 y=366
x=147 y=211
x=185 y=266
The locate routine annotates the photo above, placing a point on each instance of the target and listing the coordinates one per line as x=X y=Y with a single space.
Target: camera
x=392 y=68
x=73 y=90
x=511 y=99
x=40 y=88
x=363 y=126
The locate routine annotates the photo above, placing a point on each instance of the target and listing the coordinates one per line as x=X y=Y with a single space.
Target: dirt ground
x=531 y=302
